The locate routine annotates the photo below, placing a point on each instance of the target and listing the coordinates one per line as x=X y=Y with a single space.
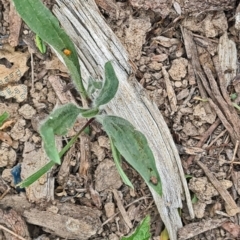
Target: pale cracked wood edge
x=96 y=44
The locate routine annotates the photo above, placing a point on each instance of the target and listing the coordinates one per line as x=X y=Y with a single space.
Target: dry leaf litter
x=185 y=53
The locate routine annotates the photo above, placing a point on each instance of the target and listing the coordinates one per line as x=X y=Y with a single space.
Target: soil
x=186 y=57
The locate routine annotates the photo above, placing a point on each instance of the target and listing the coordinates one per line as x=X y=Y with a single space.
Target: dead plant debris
x=185 y=54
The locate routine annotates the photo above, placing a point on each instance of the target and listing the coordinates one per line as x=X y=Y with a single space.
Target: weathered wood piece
x=15 y=224
x=65 y=220
x=70 y=222
x=196 y=6
x=96 y=44
x=194 y=229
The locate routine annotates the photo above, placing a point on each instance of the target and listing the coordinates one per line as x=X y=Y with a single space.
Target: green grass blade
x=3 y=118
x=41 y=21
x=110 y=86
x=117 y=160
x=40 y=44
x=133 y=146
x=34 y=177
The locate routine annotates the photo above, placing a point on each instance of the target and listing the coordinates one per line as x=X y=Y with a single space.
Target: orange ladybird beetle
x=67 y=52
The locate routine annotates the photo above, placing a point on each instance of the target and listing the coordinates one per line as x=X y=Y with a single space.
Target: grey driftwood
x=96 y=44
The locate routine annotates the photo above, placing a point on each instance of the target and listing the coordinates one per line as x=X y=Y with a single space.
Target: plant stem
x=74 y=139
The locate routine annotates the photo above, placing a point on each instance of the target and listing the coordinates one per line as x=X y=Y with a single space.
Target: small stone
x=109 y=209
x=18 y=130
x=107 y=176
x=189 y=129
x=157 y=75
x=147 y=75
x=27 y=111
x=178 y=84
x=104 y=142
x=113 y=236
x=51 y=97
x=8 y=156
x=143 y=68
x=183 y=94
x=179 y=53
x=6 y=175
x=178 y=69
x=98 y=151
x=36 y=139
x=159 y=58
x=39 y=86
x=185 y=83
x=53 y=209
x=156 y=66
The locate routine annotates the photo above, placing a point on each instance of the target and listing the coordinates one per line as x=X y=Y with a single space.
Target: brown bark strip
x=205 y=84
x=231 y=207
x=230 y=115
x=122 y=209
x=204 y=139
x=223 y=120
x=223 y=88
x=194 y=229
x=197 y=6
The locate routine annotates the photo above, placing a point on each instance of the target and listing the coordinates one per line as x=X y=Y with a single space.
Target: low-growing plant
x=125 y=140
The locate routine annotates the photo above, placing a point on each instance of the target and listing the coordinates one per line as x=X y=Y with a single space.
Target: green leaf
x=40 y=20
x=142 y=232
x=117 y=160
x=34 y=177
x=40 y=44
x=236 y=106
x=188 y=176
x=109 y=88
x=133 y=146
x=194 y=199
x=93 y=86
x=89 y=113
x=87 y=130
x=58 y=123
x=233 y=96
x=3 y=118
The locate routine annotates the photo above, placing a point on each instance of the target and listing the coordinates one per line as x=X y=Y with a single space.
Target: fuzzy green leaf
x=40 y=20
x=109 y=88
x=117 y=159
x=133 y=146
x=58 y=123
x=93 y=86
x=142 y=232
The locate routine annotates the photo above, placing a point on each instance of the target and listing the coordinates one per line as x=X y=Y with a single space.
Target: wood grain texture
x=96 y=44
x=196 y=6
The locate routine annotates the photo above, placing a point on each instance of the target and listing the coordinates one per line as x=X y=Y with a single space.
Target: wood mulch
x=186 y=57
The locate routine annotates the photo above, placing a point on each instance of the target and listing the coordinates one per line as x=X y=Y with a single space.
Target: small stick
x=204 y=139
x=122 y=209
x=213 y=141
x=11 y=232
x=233 y=158
x=32 y=67
x=114 y=215
x=231 y=207
x=5 y=193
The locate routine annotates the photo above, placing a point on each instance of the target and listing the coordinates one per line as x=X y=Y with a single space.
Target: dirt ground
x=186 y=54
